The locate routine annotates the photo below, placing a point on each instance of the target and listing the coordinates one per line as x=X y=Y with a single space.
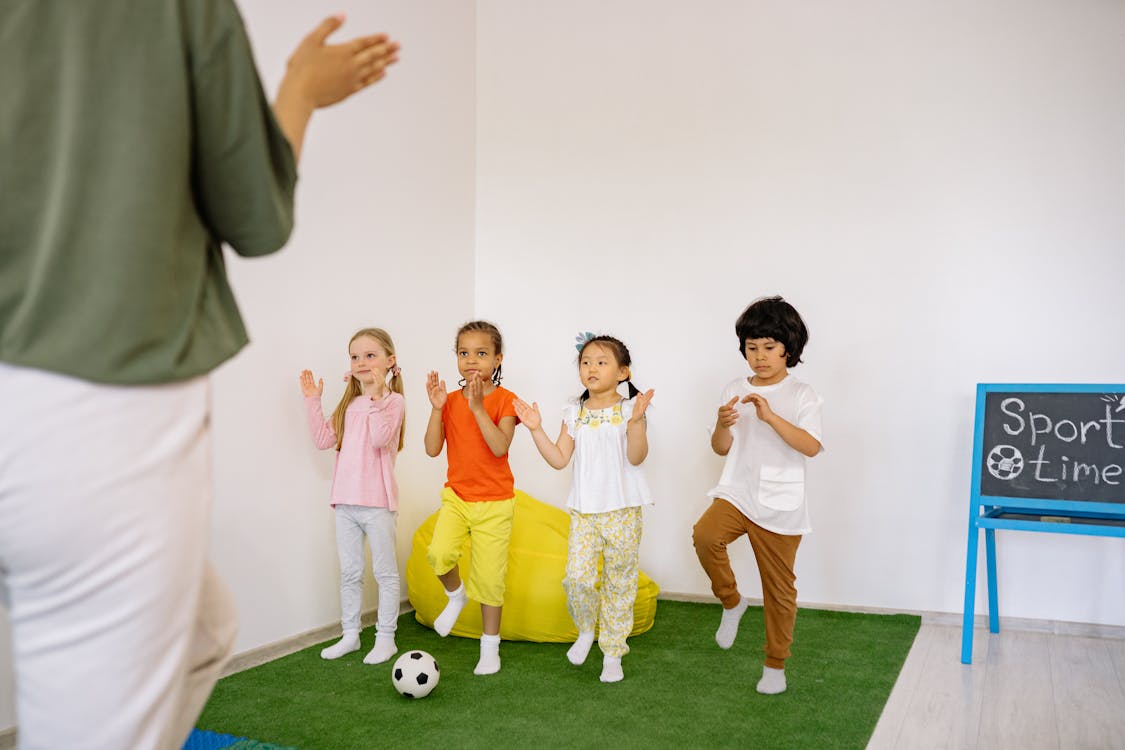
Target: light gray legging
x=352 y=523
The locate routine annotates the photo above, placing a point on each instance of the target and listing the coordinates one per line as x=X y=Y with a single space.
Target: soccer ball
x=1005 y=462
x=415 y=674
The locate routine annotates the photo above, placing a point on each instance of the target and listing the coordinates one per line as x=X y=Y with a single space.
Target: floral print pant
x=616 y=537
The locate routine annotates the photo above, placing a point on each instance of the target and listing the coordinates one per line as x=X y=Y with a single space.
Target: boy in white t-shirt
x=768 y=424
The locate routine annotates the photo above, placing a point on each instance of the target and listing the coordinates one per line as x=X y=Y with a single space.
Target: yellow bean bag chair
x=534 y=600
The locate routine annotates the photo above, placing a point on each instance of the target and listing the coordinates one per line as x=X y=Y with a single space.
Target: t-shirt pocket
x=781 y=488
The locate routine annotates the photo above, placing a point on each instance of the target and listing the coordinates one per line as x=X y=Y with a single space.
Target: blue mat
x=203 y=740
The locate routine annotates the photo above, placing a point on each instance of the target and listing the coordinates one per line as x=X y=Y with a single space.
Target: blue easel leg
x=970 y=593
x=990 y=562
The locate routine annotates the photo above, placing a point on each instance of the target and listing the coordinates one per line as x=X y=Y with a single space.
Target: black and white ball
x=1005 y=462
x=415 y=674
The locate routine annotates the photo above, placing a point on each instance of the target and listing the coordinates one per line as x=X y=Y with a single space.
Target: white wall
x=7 y=679
x=936 y=186
x=384 y=237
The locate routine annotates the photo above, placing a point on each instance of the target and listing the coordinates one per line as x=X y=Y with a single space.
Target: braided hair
x=493 y=332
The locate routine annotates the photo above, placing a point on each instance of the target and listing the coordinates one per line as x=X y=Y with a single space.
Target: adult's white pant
x=119 y=626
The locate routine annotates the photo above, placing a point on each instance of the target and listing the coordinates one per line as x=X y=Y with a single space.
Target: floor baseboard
x=980 y=622
x=266 y=653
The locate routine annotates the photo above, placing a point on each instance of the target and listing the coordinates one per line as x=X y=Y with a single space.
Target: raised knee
x=705 y=540
x=442 y=561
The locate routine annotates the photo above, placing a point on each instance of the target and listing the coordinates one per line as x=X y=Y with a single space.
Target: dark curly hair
x=773 y=318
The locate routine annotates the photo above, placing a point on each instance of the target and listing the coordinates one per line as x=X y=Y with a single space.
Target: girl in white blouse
x=606 y=435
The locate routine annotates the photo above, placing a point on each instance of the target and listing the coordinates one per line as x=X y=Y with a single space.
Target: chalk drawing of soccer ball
x=415 y=674
x=1005 y=462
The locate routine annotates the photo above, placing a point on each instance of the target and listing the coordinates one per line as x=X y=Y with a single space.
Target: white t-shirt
x=604 y=480
x=763 y=476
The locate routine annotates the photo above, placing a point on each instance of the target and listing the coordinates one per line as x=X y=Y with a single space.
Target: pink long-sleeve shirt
x=365 y=464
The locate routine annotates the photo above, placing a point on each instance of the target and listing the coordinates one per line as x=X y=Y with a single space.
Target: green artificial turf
x=680 y=691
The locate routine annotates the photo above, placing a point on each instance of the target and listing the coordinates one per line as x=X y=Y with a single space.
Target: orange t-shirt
x=475 y=474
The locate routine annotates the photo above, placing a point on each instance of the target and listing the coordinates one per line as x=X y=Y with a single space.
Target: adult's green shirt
x=135 y=139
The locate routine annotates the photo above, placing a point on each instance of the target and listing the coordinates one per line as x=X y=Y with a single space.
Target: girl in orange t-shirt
x=477 y=422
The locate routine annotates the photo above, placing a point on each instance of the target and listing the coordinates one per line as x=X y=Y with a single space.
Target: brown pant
x=720 y=525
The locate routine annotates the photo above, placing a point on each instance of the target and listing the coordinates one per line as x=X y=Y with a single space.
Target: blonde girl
x=607 y=437
x=366 y=429
x=475 y=423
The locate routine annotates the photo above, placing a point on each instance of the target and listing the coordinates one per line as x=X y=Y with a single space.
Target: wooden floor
x=1024 y=690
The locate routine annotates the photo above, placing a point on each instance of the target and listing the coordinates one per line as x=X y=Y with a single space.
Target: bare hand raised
x=640 y=405
x=310 y=387
x=320 y=75
x=728 y=414
x=474 y=391
x=325 y=74
x=435 y=389
x=761 y=406
x=528 y=414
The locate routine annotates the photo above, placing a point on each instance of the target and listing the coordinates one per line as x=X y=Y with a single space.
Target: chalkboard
x=1056 y=445
x=1047 y=457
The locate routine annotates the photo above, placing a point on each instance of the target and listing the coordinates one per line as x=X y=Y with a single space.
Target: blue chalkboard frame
x=988 y=512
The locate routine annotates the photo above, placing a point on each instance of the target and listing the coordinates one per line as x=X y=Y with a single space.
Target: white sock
x=611 y=669
x=347 y=644
x=448 y=617
x=577 y=653
x=384 y=649
x=772 y=682
x=728 y=626
x=489 y=655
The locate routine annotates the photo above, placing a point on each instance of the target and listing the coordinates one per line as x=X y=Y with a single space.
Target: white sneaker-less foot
x=577 y=653
x=384 y=649
x=728 y=626
x=448 y=617
x=611 y=669
x=489 y=655
x=772 y=682
x=347 y=644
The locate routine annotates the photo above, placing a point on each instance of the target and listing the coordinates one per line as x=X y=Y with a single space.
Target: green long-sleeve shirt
x=135 y=139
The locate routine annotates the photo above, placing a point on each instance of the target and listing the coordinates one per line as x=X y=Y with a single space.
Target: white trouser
x=378 y=524
x=119 y=627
